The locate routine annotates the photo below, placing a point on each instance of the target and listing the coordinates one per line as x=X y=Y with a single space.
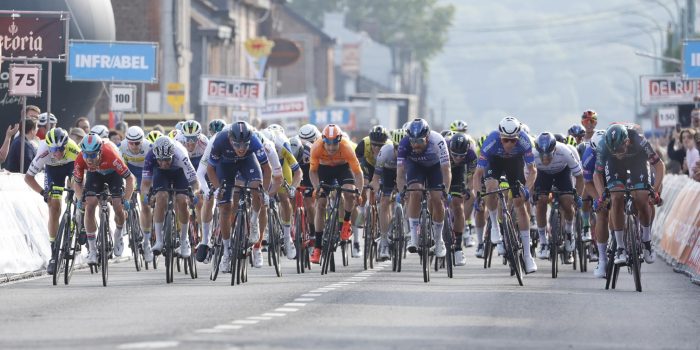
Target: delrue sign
x=32 y=37
x=231 y=91
x=667 y=89
x=112 y=61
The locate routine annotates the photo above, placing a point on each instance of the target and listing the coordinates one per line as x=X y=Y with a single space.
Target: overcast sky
x=545 y=61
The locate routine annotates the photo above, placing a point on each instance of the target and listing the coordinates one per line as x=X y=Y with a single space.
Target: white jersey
x=180 y=160
x=272 y=156
x=387 y=157
x=563 y=156
x=199 y=149
x=135 y=159
x=44 y=158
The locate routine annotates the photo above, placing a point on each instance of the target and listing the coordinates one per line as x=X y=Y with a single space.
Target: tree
x=313 y=10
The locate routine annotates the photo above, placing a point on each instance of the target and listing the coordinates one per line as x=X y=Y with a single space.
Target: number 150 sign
x=25 y=80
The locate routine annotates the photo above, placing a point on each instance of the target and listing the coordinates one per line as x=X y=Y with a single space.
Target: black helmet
x=460 y=144
x=545 y=143
x=560 y=138
x=418 y=128
x=240 y=132
x=378 y=134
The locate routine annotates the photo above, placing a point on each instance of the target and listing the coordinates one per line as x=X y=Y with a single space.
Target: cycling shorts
x=513 y=168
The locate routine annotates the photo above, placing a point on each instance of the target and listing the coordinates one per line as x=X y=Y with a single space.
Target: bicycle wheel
x=104 y=257
x=133 y=243
x=488 y=247
x=273 y=249
x=236 y=250
x=610 y=267
x=216 y=254
x=299 y=240
x=513 y=249
x=368 y=237
x=74 y=248
x=169 y=229
x=425 y=233
x=554 y=243
x=329 y=235
x=58 y=249
x=449 y=244
x=634 y=251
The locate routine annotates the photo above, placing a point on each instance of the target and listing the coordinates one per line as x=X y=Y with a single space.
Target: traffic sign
x=691 y=59
x=123 y=98
x=176 y=96
x=25 y=80
x=667 y=116
x=134 y=62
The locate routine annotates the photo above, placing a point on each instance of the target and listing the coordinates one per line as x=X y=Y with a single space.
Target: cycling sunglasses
x=191 y=139
x=508 y=140
x=241 y=145
x=331 y=142
x=418 y=141
x=57 y=149
x=135 y=143
x=458 y=155
x=90 y=155
x=378 y=145
x=165 y=159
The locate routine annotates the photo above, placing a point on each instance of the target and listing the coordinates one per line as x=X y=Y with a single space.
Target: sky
x=545 y=61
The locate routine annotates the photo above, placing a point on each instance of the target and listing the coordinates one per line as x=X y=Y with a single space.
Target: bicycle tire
x=57 y=251
x=449 y=244
x=374 y=247
x=104 y=258
x=236 y=248
x=299 y=241
x=610 y=256
x=133 y=243
x=217 y=254
x=329 y=241
x=513 y=250
x=488 y=247
x=425 y=233
x=368 y=237
x=633 y=242
x=554 y=244
x=273 y=250
x=168 y=246
x=70 y=258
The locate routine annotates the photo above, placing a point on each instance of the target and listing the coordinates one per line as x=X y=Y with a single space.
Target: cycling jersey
x=494 y=148
x=638 y=145
x=196 y=155
x=562 y=157
x=387 y=158
x=344 y=155
x=110 y=162
x=435 y=152
x=180 y=161
x=589 y=160
x=272 y=157
x=364 y=153
x=44 y=158
x=222 y=151
x=135 y=160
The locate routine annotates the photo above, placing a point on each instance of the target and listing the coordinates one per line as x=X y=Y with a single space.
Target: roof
x=307 y=24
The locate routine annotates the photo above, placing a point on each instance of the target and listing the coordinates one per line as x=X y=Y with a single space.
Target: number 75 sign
x=25 y=80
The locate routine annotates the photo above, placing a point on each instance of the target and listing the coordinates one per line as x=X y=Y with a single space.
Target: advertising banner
x=232 y=91
x=667 y=89
x=32 y=36
x=134 y=62
x=285 y=108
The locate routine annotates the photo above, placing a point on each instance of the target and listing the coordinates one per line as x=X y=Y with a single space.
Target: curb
x=14 y=277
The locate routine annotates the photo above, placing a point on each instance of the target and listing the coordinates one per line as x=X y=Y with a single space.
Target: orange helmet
x=332 y=134
x=589 y=114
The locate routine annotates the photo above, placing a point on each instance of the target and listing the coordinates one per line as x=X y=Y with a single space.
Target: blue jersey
x=589 y=159
x=222 y=151
x=494 y=148
x=435 y=151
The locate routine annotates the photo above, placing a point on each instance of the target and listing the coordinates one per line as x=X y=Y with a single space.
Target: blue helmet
x=545 y=143
x=418 y=128
x=240 y=132
x=91 y=143
x=577 y=130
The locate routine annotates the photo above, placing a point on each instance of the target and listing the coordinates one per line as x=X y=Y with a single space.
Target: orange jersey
x=344 y=155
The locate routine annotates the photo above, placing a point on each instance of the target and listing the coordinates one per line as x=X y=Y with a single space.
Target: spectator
x=121 y=126
x=159 y=128
x=9 y=134
x=695 y=122
x=115 y=136
x=676 y=153
x=13 y=157
x=83 y=123
x=691 y=150
x=76 y=134
x=32 y=112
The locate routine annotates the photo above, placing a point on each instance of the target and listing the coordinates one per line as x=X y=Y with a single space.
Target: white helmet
x=134 y=133
x=277 y=136
x=163 y=148
x=276 y=128
x=100 y=130
x=47 y=118
x=525 y=128
x=309 y=133
x=406 y=125
x=297 y=145
x=597 y=138
x=268 y=134
x=179 y=124
x=509 y=127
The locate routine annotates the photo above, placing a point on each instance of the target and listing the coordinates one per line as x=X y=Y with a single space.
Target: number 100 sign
x=123 y=98
x=25 y=80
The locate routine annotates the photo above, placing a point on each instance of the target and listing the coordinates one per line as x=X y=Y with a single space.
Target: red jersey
x=110 y=161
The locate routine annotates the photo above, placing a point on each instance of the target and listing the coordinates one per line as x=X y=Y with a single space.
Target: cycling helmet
x=163 y=148
x=597 y=138
x=397 y=135
x=481 y=141
x=179 y=125
x=216 y=125
x=173 y=133
x=91 y=143
x=545 y=143
x=153 y=136
x=240 y=132
x=276 y=128
x=615 y=136
x=332 y=134
x=589 y=115
x=56 y=137
x=47 y=118
x=192 y=128
x=297 y=146
x=378 y=134
x=405 y=125
x=460 y=144
x=447 y=134
x=458 y=126
x=100 y=130
x=52 y=119
x=577 y=130
x=560 y=138
x=418 y=128
x=134 y=133
x=525 y=128
x=309 y=133
x=268 y=134
x=509 y=127
x=570 y=140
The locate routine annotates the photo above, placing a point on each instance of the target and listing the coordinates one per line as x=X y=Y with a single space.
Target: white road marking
x=295 y=304
x=245 y=321
x=274 y=314
x=228 y=326
x=304 y=299
x=260 y=318
x=286 y=309
x=208 y=330
x=311 y=295
x=150 y=345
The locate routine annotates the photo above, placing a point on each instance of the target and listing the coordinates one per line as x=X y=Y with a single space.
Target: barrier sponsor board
x=134 y=62
x=285 y=107
x=667 y=89
x=232 y=91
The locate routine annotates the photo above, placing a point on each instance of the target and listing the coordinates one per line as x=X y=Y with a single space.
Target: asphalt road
x=352 y=309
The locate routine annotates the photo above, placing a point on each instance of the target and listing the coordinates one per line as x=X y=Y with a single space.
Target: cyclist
x=237 y=152
x=133 y=152
x=459 y=126
x=367 y=151
x=424 y=162
x=194 y=141
x=47 y=121
x=463 y=162
x=385 y=177
x=308 y=134
x=275 y=184
x=555 y=164
x=100 y=159
x=292 y=176
x=601 y=224
x=101 y=131
x=153 y=135
x=55 y=156
x=508 y=150
x=589 y=120
x=333 y=159
x=215 y=126
x=577 y=132
x=166 y=164
x=479 y=212
x=624 y=149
